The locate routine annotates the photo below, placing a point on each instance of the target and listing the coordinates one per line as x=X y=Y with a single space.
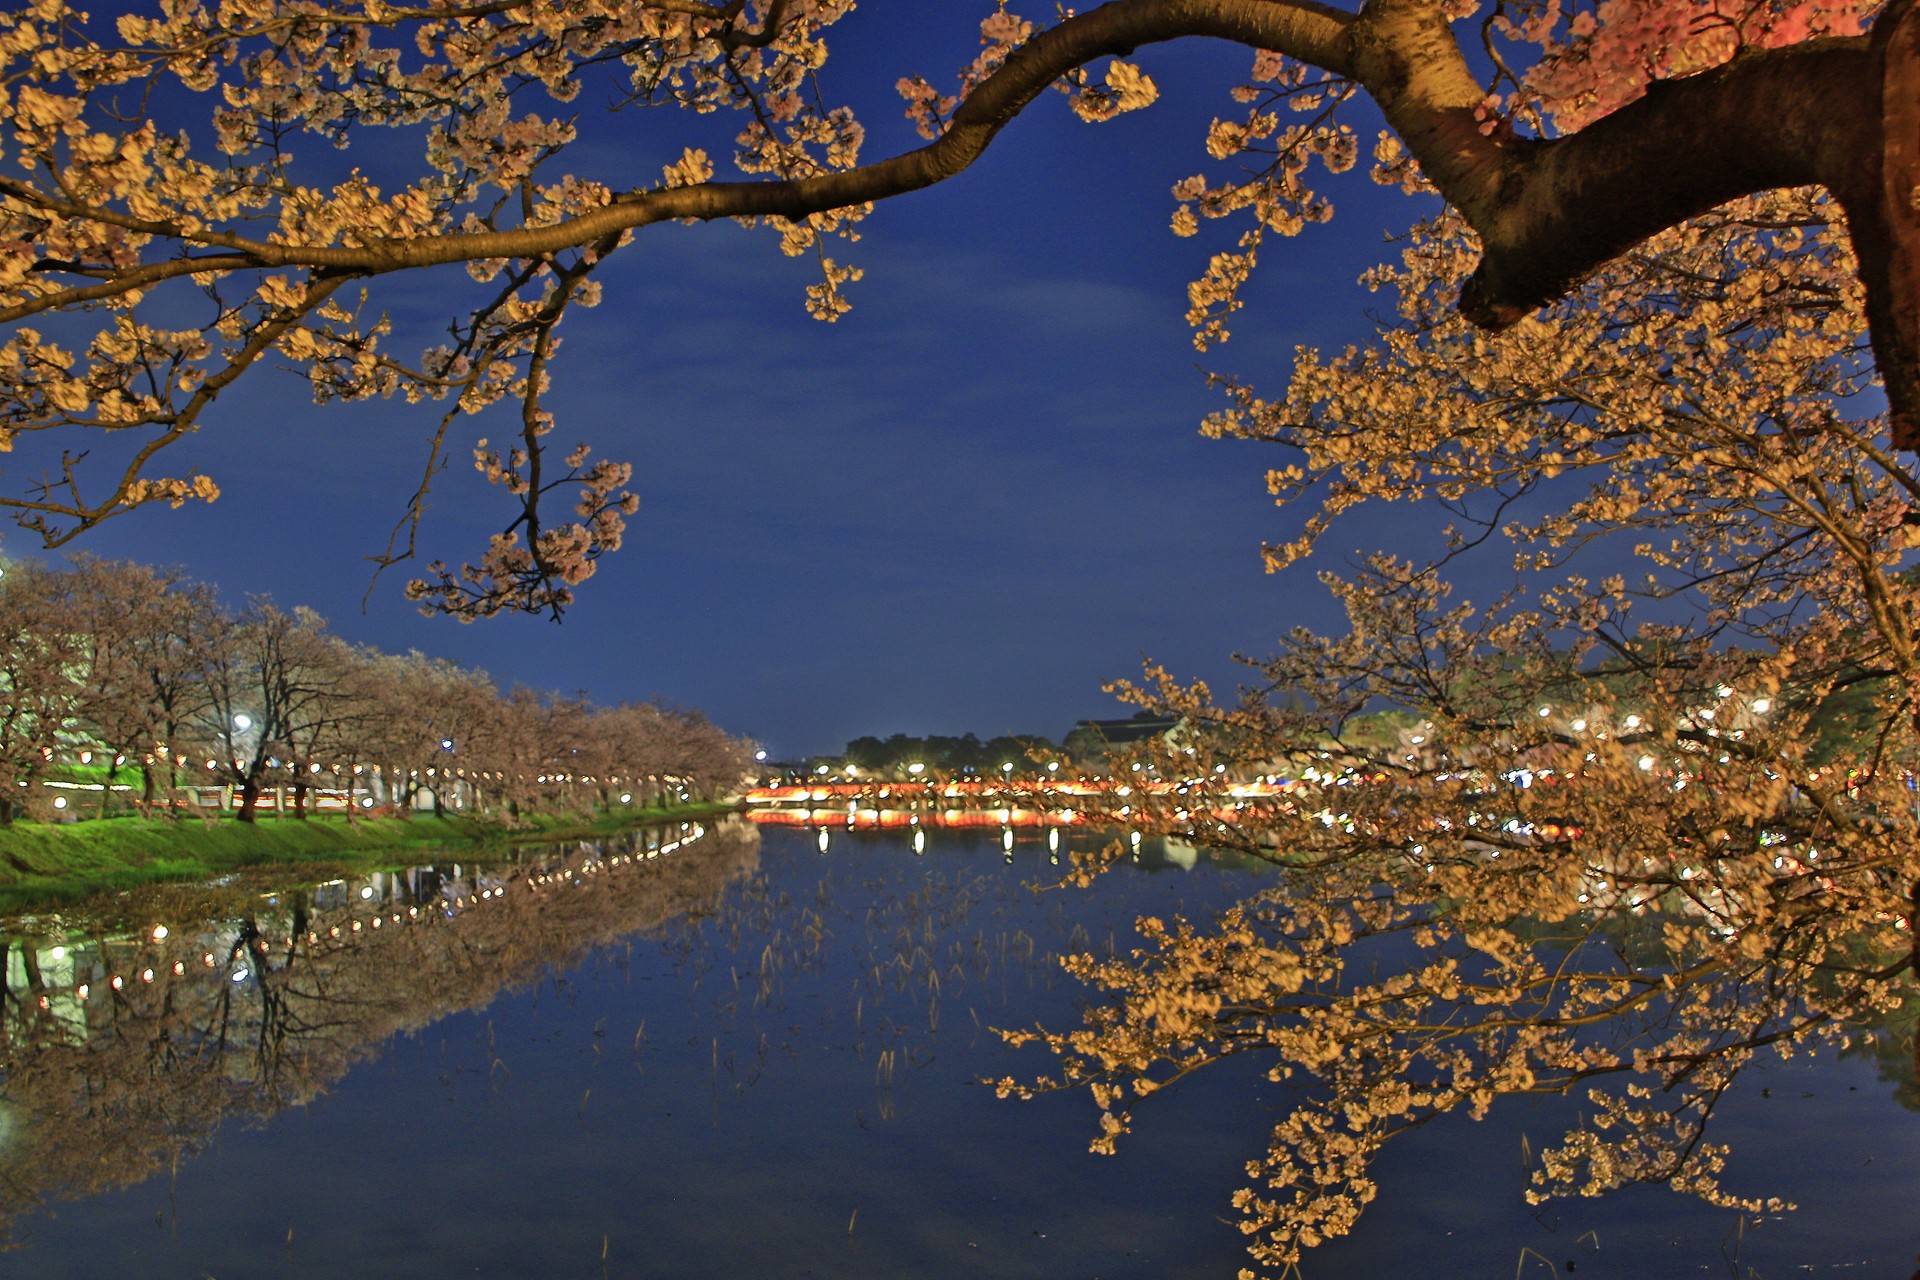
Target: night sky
x=961 y=508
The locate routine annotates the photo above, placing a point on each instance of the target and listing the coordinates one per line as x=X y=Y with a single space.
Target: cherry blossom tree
x=424 y=717
x=1611 y=847
x=272 y=679
x=156 y=159
x=135 y=628
x=40 y=663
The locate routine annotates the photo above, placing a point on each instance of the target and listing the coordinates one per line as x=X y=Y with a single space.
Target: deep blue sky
x=961 y=508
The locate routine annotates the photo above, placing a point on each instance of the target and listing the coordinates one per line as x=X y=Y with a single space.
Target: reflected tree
x=1616 y=843
x=151 y=1039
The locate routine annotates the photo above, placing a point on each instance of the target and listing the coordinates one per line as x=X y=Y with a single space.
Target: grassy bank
x=42 y=863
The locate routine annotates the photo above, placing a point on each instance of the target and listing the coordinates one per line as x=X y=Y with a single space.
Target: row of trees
x=148 y=681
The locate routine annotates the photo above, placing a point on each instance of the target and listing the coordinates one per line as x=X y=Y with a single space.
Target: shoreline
x=44 y=864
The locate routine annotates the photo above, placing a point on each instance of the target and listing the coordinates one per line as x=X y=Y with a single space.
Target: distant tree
x=423 y=721
x=868 y=753
x=270 y=677
x=139 y=679
x=41 y=663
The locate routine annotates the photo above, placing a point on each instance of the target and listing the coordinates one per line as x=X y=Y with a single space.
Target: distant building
x=1092 y=739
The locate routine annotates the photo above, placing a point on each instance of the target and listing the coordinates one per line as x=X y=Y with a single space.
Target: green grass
x=43 y=863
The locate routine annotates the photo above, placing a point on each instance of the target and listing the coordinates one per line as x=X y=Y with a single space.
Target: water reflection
x=778 y=1078
x=125 y=1049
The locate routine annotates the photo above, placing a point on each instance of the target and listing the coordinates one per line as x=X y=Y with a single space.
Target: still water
x=720 y=1052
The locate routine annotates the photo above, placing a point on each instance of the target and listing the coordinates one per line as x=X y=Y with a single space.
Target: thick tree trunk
x=106 y=796
x=249 y=799
x=1883 y=217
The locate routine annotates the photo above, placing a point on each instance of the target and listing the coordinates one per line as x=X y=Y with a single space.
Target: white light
x=916 y=767
x=1007 y=767
x=159 y=933
x=759 y=755
x=1646 y=763
x=243 y=722
x=1762 y=705
x=1578 y=726
x=1053 y=766
x=1633 y=722
x=59 y=802
x=1545 y=712
x=626 y=797
x=367 y=891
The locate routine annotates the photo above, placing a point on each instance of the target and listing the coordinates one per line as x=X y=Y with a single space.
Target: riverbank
x=42 y=863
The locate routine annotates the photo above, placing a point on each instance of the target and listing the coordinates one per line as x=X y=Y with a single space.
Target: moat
x=715 y=1050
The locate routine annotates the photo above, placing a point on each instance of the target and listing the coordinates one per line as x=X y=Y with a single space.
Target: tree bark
x=1884 y=218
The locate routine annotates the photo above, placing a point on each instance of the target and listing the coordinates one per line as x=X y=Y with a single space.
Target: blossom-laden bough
x=1615 y=834
x=163 y=233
